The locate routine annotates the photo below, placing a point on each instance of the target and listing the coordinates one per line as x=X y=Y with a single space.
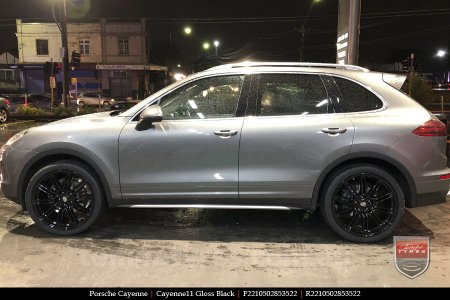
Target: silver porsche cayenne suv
x=334 y=138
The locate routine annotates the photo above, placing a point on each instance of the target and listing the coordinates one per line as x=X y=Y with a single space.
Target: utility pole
x=411 y=73
x=65 y=57
x=303 y=31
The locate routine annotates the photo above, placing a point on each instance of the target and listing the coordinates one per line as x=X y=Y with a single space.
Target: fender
x=348 y=158
x=61 y=152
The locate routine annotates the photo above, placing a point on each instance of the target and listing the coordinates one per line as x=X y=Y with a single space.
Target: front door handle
x=225 y=133
x=334 y=130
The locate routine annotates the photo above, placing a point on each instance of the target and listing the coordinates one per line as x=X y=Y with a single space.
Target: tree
x=420 y=88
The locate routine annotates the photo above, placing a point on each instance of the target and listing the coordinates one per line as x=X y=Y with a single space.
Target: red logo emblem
x=412 y=255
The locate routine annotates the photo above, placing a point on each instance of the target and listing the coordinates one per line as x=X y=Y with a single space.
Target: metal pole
x=65 y=54
x=302 y=41
x=411 y=74
x=169 y=67
x=353 y=30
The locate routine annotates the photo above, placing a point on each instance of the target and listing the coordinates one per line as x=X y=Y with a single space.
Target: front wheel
x=64 y=198
x=362 y=203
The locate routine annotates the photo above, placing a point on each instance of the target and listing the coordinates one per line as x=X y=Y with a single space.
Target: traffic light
x=76 y=60
x=52 y=67
x=406 y=64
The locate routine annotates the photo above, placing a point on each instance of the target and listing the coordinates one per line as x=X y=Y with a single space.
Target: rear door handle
x=226 y=133
x=334 y=130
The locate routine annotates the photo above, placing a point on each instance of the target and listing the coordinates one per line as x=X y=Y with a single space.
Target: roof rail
x=289 y=64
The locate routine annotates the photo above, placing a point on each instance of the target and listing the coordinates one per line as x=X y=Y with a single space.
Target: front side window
x=215 y=97
x=291 y=94
x=123 y=47
x=85 y=47
x=355 y=97
x=42 y=47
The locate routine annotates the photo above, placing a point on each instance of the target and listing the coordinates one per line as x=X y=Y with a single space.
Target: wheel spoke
x=56 y=183
x=375 y=188
x=81 y=184
x=365 y=223
x=362 y=185
x=60 y=217
x=80 y=208
x=52 y=208
x=376 y=219
x=46 y=190
x=385 y=197
x=72 y=215
x=67 y=181
x=352 y=221
x=383 y=210
x=346 y=211
x=349 y=188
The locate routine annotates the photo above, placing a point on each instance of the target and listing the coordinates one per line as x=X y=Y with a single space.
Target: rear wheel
x=64 y=198
x=81 y=103
x=106 y=103
x=3 y=115
x=362 y=203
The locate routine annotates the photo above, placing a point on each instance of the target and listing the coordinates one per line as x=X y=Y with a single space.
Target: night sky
x=263 y=30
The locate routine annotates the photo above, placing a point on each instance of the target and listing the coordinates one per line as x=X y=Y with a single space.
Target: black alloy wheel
x=363 y=203
x=64 y=198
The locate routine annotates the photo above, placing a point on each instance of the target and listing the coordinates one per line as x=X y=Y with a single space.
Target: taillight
x=431 y=128
x=444 y=177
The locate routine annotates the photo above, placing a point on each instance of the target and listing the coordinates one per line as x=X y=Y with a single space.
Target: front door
x=193 y=153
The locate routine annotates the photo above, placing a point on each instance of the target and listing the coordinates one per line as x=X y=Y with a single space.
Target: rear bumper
x=431 y=192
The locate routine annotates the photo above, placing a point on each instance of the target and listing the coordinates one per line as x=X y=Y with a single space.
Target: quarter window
x=355 y=97
x=42 y=47
x=215 y=97
x=85 y=47
x=290 y=94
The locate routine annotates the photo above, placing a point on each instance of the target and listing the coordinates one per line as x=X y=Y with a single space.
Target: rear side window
x=355 y=97
x=291 y=94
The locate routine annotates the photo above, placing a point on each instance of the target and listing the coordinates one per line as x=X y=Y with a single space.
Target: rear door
x=291 y=133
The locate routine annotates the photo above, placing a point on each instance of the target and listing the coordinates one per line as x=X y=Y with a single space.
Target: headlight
x=16 y=137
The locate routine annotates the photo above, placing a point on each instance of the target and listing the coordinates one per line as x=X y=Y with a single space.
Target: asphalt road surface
x=194 y=247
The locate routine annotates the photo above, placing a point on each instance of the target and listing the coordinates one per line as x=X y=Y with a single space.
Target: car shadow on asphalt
x=212 y=225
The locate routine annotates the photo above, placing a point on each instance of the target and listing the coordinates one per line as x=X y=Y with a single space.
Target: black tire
x=3 y=115
x=81 y=104
x=362 y=203
x=64 y=198
x=106 y=103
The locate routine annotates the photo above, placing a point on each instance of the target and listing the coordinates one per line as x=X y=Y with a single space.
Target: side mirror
x=148 y=116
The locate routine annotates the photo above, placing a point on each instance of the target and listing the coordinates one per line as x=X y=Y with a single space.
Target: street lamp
x=206 y=45
x=187 y=31
x=303 y=31
x=216 y=44
x=441 y=53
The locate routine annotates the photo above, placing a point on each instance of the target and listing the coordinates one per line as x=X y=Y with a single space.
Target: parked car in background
x=33 y=100
x=4 y=109
x=123 y=105
x=98 y=99
x=335 y=138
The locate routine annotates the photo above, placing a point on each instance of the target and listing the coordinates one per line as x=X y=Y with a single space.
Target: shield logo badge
x=412 y=254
